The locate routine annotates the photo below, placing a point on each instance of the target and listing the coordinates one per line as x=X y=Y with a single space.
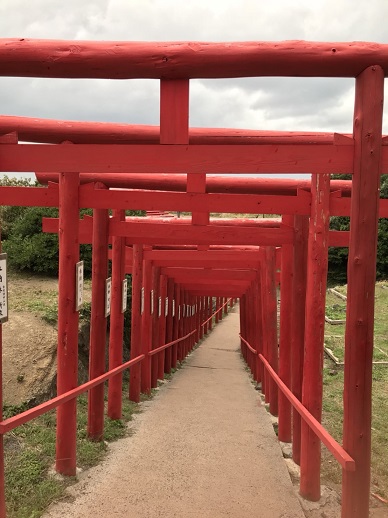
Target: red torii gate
x=362 y=155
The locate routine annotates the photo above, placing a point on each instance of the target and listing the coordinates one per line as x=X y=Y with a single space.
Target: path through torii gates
x=182 y=267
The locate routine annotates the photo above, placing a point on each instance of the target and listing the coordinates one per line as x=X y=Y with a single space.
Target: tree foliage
x=338 y=257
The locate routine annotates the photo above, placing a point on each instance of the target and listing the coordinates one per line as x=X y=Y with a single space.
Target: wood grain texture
x=177 y=60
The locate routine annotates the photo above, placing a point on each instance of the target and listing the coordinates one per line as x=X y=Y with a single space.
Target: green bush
x=338 y=257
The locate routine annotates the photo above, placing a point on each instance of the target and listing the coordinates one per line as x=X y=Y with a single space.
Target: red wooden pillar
x=162 y=325
x=312 y=393
x=298 y=325
x=181 y=325
x=242 y=325
x=286 y=280
x=251 y=332
x=206 y=315
x=136 y=348
x=169 y=325
x=264 y=323
x=210 y=313
x=361 y=290
x=155 y=324
x=177 y=300
x=271 y=320
x=202 y=318
x=67 y=359
x=226 y=305
x=98 y=321
x=217 y=308
x=115 y=385
x=146 y=328
x=231 y=303
x=2 y=481
x=258 y=327
x=197 y=319
x=222 y=310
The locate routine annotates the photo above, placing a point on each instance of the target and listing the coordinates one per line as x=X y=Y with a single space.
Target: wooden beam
x=226 y=159
x=20 y=57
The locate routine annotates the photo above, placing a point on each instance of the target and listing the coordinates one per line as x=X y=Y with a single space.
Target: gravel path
x=204 y=447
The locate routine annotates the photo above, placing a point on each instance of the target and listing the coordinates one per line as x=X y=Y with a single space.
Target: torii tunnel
x=182 y=268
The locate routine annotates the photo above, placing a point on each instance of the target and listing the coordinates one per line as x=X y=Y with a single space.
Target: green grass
x=333 y=382
x=30 y=455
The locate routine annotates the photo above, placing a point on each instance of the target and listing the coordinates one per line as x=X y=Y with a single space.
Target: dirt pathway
x=204 y=448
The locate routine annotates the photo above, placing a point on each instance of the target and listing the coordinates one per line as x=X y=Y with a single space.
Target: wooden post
x=174 y=352
x=146 y=329
x=361 y=289
x=217 y=308
x=67 y=359
x=162 y=326
x=197 y=319
x=181 y=325
x=258 y=327
x=271 y=321
x=97 y=345
x=312 y=390
x=242 y=324
x=2 y=481
x=210 y=313
x=169 y=325
x=286 y=280
x=298 y=324
x=136 y=338
x=115 y=385
x=155 y=325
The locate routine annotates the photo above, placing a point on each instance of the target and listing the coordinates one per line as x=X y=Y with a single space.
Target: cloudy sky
x=266 y=103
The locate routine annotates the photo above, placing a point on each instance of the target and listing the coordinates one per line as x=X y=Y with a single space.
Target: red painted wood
x=286 y=280
x=214 y=184
x=361 y=289
x=271 y=323
x=212 y=158
x=258 y=335
x=169 y=324
x=67 y=354
x=98 y=326
x=162 y=326
x=116 y=323
x=155 y=324
x=146 y=328
x=174 y=351
x=298 y=324
x=336 y=449
x=136 y=338
x=312 y=388
x=155 y=60
x=181 y=322
x=200 y=274
x=152 y=233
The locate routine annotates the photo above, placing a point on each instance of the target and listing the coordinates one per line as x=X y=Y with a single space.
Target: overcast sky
x=266 y=103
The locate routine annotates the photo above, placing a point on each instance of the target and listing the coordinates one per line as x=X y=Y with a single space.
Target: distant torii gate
x=137 y=158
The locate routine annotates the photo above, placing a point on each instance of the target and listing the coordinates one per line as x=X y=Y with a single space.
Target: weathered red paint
x=146 y=328
x=98 y=326
x=67 y=354
x=136 y=337
x=312 y=387
x=361 y=288
x=116 y=323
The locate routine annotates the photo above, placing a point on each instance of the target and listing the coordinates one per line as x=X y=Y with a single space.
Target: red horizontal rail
x=22 y=418
x=165 y=346
x=219 y=309
x=248 y=345
x=331 y=444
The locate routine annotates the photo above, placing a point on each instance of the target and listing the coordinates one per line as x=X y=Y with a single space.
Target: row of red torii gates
x=185 y=263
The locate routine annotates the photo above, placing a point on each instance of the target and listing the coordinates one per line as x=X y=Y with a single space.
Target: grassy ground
x=30 y=455
x=333 y=388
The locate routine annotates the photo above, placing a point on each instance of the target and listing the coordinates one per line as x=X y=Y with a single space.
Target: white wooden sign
x=159 y=306
x=79 y=285
x=142 y=301
x=166 y=307
x=179 y=312
x=173 y=308
x=3 y=289
x=108 y=294
x=124 y=295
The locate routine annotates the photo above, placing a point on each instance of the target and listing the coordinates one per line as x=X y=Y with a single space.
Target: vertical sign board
x=142 y=301
x=173 y=308
x=179 y=312
x=166 y=307
x=108 y=292
x=3 y=289
x=159 y=306
x=124 y=295
x=79 y=285
x=152 y=302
